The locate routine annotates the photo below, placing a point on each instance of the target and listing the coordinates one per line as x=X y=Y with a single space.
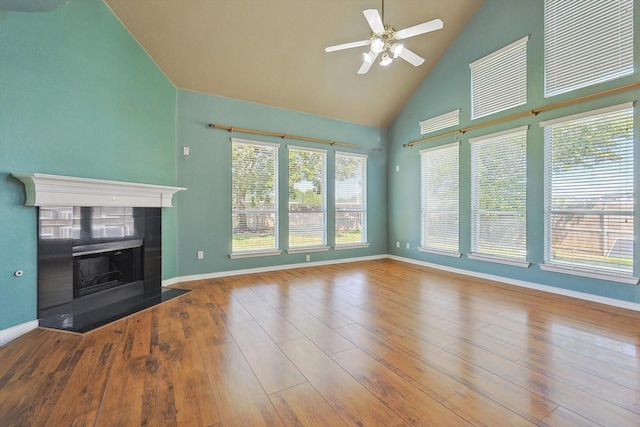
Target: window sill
x=240 y=255
x=440 y=252
x=308 y=249
x=487 y=258
x=351 y=246
x=592 y=273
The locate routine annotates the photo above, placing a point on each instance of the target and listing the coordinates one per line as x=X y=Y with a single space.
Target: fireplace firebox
x=104 y=266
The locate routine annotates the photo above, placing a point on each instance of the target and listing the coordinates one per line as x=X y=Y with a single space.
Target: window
x=586 y=43
x=307 y=198
x=499 y=80
x=254 y=196
x=440 y=199
x=589 y=191
x=351 y=199
x=442 y=121
x=498 y=196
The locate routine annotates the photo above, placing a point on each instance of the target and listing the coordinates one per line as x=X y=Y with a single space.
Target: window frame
x=576 y=55
x=425 y=245
x=363 y=196
x=257 y=252
x=499 y=77
x=308 y=248
x=477 y=214
x=577 y=268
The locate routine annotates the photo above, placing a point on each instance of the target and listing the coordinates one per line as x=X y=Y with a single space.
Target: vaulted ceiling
x=271 y=52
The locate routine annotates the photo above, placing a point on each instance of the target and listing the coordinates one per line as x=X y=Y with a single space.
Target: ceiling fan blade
x=364 y=68
x=411 y=57
x=416 y=30
x=374 y=20
x=347 y=45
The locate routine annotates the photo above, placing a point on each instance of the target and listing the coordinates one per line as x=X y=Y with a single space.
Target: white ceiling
x=272 y=51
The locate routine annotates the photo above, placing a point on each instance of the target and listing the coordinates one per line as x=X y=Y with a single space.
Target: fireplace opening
x=103 y=266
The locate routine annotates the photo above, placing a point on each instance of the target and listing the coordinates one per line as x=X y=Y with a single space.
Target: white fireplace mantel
x=57 y=190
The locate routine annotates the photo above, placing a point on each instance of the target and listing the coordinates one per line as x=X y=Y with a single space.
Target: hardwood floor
x=377 y=343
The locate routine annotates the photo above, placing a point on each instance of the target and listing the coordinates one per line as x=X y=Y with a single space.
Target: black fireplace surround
x=98 y=264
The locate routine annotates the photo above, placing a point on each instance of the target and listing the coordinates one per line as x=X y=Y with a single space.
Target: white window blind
x=350 y=198
x=254 y=179
x=442 y=121
x=589 y=190
x=307 y=197
x=586 y=42
x=440 y=188
x=499 y=80
x=499 y=194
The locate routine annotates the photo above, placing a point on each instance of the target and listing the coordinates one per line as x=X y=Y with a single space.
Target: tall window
x=498 y=195
x=351 y=201
x=254 y=196
x=499 y=80
x=440 y=198
x=589 y=190
x=307 y=198
x=586 y=42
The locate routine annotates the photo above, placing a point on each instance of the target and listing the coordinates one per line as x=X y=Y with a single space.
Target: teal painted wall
x=204 y=213
x=496 y=24
x=80 y=97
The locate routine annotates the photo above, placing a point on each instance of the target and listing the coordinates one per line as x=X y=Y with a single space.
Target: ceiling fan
x=384 y=41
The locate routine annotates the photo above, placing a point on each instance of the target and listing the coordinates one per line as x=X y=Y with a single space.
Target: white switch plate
x=408 y=246
x=308 y=257
x=397 y=244
x=186 y=151
x=200 y=254
x=397 y=168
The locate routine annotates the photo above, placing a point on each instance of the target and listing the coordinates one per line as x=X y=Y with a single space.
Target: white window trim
x=267 y=252
x=254 y=254
x=298 y=147
x=429 y=249
x=585 y=114
x=308 y=249
x=499 y=134
x=600 y=274
x=453 y=254
x=498 y=260
x=339 y=247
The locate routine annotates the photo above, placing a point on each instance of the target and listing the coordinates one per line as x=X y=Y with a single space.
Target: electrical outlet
x=397 y=244
x=397 y=168
x=408 y=245
x=308 y=258
x=200 y=254
x=186 y=151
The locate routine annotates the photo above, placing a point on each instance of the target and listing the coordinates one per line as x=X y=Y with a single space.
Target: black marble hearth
x=98 y=264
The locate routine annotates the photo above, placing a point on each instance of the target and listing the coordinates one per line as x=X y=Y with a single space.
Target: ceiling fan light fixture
x=396 y=49
x=377 y=45
x=386 y=59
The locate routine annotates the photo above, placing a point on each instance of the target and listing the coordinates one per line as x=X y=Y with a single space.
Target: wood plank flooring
x=376 y=343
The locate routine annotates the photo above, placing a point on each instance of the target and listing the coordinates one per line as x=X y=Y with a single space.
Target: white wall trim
x=530 y=285
x=10 y=334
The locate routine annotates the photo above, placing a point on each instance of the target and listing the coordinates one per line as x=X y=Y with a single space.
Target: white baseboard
x=544 y=288
x=267 y=269
x=10 y=334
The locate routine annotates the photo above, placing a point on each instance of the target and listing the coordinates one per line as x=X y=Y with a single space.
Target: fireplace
x=104 y=266
x=99 y=248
